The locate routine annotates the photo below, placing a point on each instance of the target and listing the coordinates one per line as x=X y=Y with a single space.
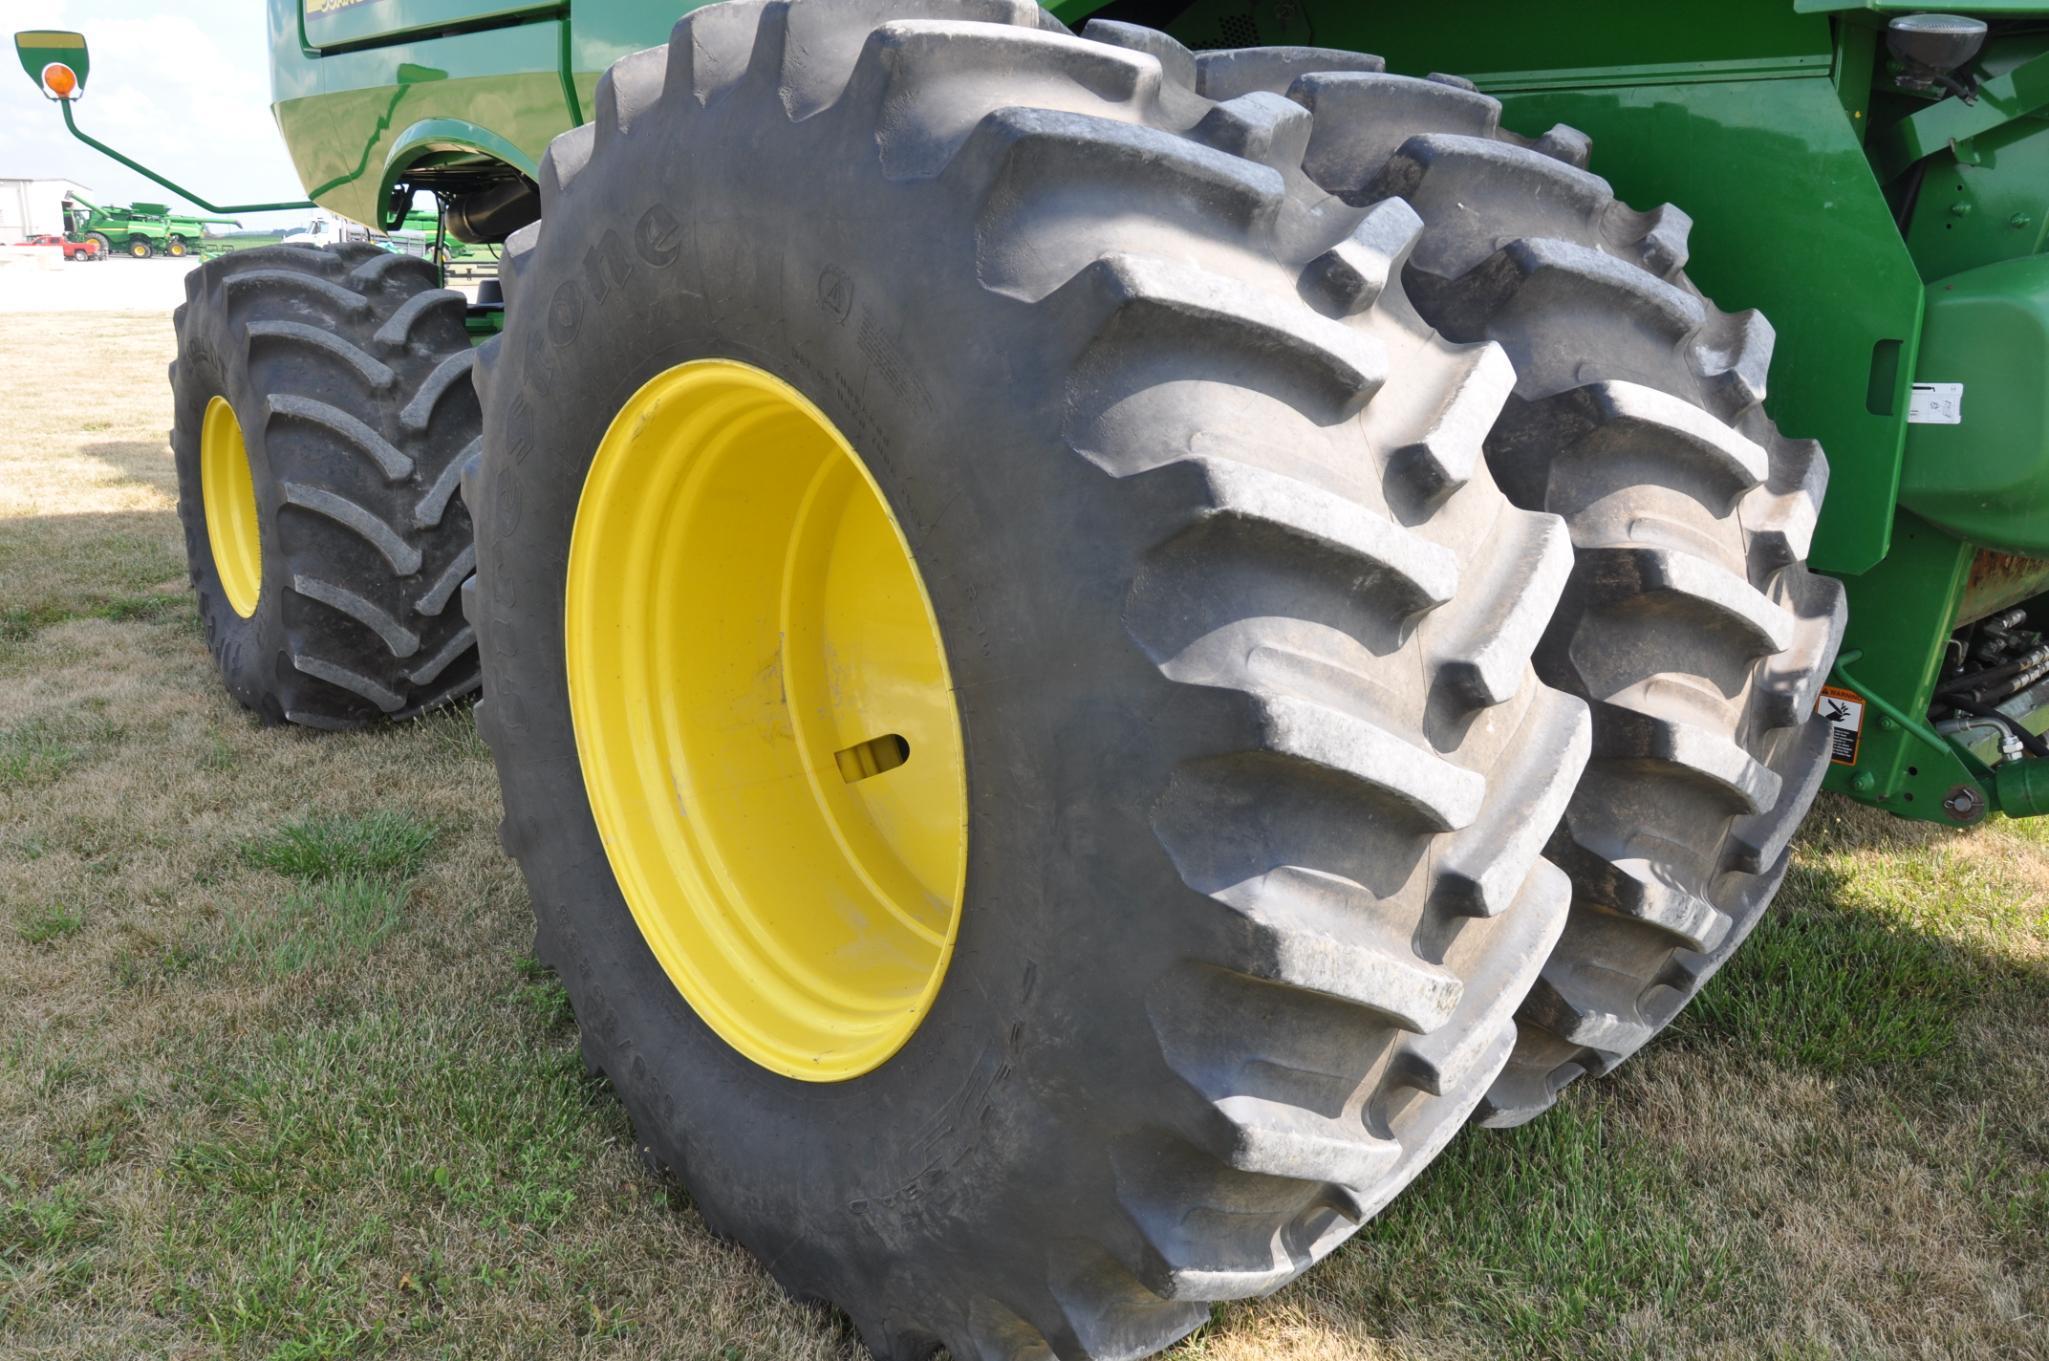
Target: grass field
x=278 y=1078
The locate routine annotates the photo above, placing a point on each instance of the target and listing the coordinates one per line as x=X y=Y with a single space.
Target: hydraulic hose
x=2030 y=743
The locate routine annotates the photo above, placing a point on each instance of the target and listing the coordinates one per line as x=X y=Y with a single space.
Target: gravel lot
x=44 y=282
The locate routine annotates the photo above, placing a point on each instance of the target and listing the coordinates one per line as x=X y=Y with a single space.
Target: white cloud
x=187 y=96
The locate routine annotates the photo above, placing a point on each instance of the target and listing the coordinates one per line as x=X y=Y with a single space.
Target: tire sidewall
x=882 y=325
x=213 y=361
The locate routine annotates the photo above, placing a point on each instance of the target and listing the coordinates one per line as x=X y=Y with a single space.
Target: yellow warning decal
x=1843 y=711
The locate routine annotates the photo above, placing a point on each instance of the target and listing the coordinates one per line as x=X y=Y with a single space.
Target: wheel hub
x=227 y=493
x=765 y=721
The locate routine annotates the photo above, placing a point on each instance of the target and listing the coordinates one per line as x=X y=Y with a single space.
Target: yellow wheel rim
x=765 y=721
x=228 y=493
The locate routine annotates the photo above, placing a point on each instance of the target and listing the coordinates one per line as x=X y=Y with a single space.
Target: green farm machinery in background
x=141 y=230
x=1093 y=639
x=422 y=233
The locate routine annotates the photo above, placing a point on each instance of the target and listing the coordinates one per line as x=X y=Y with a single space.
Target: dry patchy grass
x=278 y=1079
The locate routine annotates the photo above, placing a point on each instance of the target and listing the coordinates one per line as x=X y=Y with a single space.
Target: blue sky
x=181 y=87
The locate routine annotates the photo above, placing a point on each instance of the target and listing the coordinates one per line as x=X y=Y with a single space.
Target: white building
x=34 y=208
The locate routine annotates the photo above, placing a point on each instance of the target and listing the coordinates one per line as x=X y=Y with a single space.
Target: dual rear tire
x=1691 y=625
x=1240 y=569
x=1043 y=598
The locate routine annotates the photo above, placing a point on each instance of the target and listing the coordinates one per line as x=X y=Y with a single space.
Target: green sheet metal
x=1985 y=479
x=1788 y=219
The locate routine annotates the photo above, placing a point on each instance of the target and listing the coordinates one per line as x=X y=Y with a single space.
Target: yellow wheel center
x=765 y=721
x=228 y=494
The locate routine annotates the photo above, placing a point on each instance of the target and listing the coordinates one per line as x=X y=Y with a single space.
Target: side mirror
x=56 y=61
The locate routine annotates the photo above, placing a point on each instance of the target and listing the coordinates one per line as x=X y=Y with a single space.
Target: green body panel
x=1985 y=480
x=1974 y=205
x=1775 y=161
x=1504 y=43
x=344 y=115
x=1848 y=210
x=1992 y=210
x=331 y=24
x=1909 y=600
x=365 y=92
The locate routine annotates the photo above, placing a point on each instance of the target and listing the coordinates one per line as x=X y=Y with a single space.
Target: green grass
x=329 y=921
x=18 y=625
x=39 y=1227
x=542 y=996
x=495 y=1136
x=380 y=844
x=40 y=926
x=1837 y=989
x=283 y=1257
x=42 y=751
x=1545 y=1239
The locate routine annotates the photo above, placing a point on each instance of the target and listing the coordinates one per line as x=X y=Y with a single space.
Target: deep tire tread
x=1638 y=417
x=363 y=416
x=1398 y=526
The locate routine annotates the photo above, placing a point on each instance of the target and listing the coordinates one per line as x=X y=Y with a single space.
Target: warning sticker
x=1936 y=404
x=1843 y=711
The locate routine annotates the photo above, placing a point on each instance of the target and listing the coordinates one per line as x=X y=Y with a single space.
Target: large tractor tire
x=1692 y=626
x=106 y=247
x=1008 y=670
x=139 y=248
x=176 y=248
x=324 y=411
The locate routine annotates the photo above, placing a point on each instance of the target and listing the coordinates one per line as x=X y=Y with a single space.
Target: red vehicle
x=73 y=250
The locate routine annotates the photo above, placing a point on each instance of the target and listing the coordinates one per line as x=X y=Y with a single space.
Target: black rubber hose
x=2006 y=690
x=1975 y=680
x=2003 y=687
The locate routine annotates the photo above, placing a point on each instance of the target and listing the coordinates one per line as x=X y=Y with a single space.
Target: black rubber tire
x=106 y=246
x=1692 y=626
x=1237 y=622
x=175 y=246
x=349 y=370
x=139 y=248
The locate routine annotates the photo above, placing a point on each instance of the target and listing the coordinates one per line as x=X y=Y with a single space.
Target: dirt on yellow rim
x=228 y=493
x=765 y=721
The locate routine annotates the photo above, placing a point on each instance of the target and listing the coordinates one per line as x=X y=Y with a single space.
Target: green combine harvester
x=1100 y=623
x=141 y=230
